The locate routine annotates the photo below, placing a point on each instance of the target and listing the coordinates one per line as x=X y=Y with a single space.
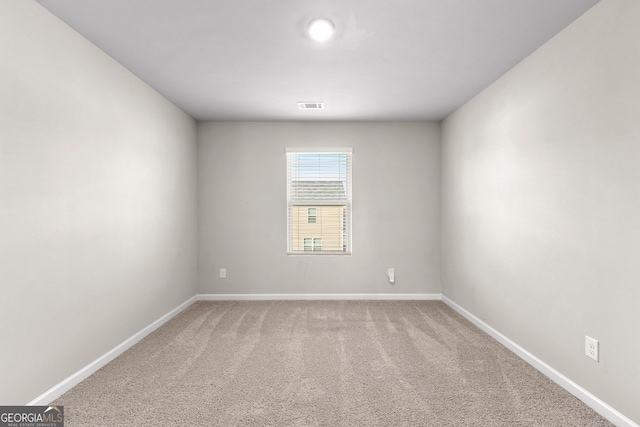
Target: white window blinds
x=319 y=201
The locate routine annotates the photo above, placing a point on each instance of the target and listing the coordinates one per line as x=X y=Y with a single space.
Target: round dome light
x=320 y=29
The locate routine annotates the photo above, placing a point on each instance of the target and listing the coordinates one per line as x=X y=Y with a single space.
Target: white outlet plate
x=591 y=348
x=223 y=273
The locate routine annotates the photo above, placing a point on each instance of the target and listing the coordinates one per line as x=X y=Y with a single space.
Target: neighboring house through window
x=319 y=201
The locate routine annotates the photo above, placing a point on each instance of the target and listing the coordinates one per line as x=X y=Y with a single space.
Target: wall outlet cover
x=591 y=348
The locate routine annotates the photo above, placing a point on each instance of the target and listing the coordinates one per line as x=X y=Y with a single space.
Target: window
x=319 y=201
x=312 y=215
x=312 y=244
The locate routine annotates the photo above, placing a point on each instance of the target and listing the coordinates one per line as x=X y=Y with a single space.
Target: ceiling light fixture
x=320 y=29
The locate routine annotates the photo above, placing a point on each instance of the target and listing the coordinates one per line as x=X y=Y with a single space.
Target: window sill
x=316 y=253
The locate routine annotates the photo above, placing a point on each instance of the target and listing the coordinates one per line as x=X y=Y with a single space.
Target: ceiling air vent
x=311 y=105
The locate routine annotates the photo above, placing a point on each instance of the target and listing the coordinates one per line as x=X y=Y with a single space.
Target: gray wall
x=242 y=188
x=541 y=203
x=97 y=203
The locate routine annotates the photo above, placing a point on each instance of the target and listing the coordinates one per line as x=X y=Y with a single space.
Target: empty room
x=364 y=213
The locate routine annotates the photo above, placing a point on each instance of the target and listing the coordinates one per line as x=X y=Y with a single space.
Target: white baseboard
x=67 y=384
x=589 y=399
x=270 y=297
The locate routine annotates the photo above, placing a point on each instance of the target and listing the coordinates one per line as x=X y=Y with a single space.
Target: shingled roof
x=309 y=191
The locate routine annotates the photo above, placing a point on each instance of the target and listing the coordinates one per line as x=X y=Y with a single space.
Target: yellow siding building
x=318 y=228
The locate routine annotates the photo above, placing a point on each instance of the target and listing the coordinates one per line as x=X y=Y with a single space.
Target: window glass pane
x=319 y=201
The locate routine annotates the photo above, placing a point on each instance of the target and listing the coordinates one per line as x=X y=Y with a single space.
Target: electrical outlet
x=391 y=274
x=223 y=273
x=591 y=348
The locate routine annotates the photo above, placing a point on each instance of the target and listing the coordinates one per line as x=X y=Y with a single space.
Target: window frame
x=346 y=221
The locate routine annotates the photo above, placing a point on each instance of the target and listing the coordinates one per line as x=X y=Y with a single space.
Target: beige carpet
x=321 y=363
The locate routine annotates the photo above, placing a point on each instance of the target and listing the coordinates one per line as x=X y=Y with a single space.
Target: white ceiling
x=252 y=60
